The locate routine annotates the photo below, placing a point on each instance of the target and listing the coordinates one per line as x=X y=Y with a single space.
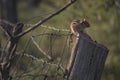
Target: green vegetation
x=103 y=16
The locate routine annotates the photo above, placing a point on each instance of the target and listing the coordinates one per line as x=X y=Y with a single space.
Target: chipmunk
x=78 y=26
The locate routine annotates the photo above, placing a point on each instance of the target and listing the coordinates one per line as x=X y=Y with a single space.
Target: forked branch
x=46 y=19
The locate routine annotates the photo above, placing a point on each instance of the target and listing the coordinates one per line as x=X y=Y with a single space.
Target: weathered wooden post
x=87 y=59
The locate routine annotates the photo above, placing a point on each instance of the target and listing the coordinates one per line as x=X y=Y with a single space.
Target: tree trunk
x=33 y=3
x=8 y=13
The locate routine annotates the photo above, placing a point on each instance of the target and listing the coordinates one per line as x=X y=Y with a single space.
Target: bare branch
x=55 y=29
x=49 y=27
x=46 y=19
x=37 y=59
x=4 y=22
x=44 y=53
x=3 y=25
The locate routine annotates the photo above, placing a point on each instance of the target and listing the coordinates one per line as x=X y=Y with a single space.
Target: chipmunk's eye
x=85 y=23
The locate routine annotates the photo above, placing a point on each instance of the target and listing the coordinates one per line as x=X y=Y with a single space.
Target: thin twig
x=3 y=25
x=4 y=22
x=55 y=29
x=37 y=59
x=53 y=34
x=44 y=53
x=51 y=28
x=46 y=19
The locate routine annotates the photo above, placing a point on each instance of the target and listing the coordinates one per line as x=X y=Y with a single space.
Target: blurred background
x=103 y=16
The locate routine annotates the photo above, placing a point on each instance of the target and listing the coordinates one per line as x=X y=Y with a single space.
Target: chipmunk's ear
x=84 y=19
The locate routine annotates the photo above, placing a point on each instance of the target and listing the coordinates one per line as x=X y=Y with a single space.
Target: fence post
x=87 y=59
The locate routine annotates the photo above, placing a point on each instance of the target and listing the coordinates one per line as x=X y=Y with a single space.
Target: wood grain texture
x=88 y=60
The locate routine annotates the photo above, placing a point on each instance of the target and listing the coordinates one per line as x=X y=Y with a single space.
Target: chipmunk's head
x=84 y=23
x=78 y=26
